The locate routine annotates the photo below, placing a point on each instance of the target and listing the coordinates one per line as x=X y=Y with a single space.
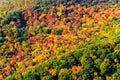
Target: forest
x=60 y=40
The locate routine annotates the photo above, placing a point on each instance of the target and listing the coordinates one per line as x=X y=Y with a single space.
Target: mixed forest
x=60 y=40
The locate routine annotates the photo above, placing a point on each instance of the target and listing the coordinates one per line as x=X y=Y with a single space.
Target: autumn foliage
x=60 y=41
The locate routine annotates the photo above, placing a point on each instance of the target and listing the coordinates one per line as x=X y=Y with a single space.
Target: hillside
x=60 y=40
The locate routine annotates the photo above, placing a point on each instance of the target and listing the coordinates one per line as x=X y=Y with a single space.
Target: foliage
x=59 y=40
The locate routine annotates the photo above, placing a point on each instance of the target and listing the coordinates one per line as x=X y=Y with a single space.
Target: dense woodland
x=60 y=40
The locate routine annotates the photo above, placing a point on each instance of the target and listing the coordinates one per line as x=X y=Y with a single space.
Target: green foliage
x=46 y=31
x=85 y=75
x=81 y=57
x=105 y=66
x=46 y=53
x=7 y=53
x=2 y=39
x=29 y=76
x=65 y=74
x=20 y=39
x=58 y=31
x=25 y=45
x=47 y=78
x=12 y=16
